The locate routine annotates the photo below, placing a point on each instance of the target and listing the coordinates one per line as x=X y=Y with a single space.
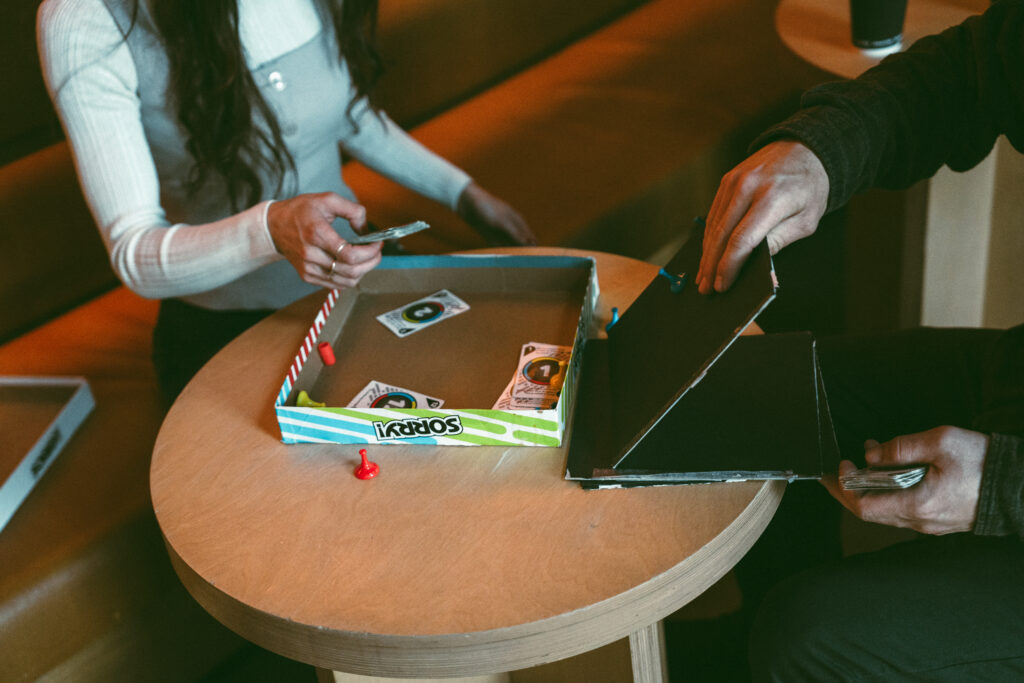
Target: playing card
x=509 y=402
x=380 y=395
x=390 y=234
x=871 y=478
x=423 y=313
x=541 y=371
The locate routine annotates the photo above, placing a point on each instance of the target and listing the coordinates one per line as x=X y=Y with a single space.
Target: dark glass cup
x=877 y=24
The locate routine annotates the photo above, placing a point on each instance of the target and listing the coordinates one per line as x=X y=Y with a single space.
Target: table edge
x=489 y=651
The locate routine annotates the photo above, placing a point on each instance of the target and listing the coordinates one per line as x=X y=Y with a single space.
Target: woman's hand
x=780 y=193
x=301 y=230
x=944 y=502
x=498 y=222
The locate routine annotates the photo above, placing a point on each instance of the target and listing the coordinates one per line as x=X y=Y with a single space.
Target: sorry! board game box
x=444 y=350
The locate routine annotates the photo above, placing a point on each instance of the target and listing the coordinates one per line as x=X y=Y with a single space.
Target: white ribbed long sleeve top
x=92 y=79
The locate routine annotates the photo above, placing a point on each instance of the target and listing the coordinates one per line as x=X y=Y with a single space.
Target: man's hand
x=780 y=193
x=944 y=502
x=498 y=222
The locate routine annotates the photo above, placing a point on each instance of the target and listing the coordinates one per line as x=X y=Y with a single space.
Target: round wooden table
x=453 y=561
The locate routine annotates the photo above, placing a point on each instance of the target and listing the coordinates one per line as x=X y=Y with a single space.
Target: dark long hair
x=218 y=103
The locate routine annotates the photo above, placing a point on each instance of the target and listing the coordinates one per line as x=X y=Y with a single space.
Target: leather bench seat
x=86 y=590
x=617 y=141
x=442 y=52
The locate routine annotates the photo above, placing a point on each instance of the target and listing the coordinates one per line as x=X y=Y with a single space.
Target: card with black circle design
x=509 y=402
x=541 y=371
x=423 y=313
x=380 y=395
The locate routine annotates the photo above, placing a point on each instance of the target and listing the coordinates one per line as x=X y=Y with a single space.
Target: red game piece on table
x=367 y=469
x=326 y=353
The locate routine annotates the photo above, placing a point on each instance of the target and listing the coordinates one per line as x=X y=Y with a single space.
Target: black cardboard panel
x=756 y=413
x=666 y=341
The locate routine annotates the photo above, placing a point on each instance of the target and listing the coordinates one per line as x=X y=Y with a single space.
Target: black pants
x=187 y=336
x=936 y=608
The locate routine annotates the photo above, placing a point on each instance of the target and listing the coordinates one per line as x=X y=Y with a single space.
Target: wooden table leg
x=647 y=652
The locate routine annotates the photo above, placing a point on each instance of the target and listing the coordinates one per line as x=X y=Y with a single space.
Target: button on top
x=277 y=81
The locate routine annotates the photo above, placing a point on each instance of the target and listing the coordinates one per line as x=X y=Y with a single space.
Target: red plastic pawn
x=326 y=353
x=367 y=469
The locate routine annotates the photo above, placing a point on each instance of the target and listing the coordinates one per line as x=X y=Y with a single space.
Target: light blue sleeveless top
x=308 y=90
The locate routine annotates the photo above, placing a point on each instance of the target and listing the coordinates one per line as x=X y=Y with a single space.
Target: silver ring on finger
x=337 y=252
x=334 y=264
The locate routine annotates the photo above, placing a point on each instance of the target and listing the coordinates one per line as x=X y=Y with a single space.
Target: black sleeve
x=943 y=101
x=1001 y=414
x=1001 y=502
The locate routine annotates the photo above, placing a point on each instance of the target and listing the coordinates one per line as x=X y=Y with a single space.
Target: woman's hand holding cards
x=301 y=230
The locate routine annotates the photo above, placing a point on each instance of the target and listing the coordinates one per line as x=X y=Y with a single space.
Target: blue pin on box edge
x=678 y=282
x=615 y=319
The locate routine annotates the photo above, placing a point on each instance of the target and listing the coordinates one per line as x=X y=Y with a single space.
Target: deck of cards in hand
x=881 y=478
